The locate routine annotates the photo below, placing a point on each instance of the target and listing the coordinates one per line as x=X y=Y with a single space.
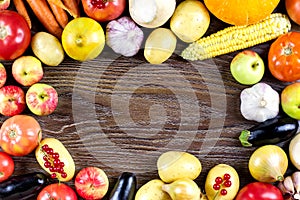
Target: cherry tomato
x=259 y=191
x=57 y=191
x=293 y=10
x=103 y=10
x=20 y=135
x=284 y=57
x=15 y=35
x=7 y=166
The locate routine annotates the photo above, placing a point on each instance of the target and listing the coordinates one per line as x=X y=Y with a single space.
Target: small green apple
x=290 y=100
x=247 y=67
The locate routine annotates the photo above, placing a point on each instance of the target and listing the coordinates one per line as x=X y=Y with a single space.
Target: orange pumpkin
x=237 y=12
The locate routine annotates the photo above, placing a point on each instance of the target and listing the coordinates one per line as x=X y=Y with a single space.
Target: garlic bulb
x=259 y=102
x=124 y=36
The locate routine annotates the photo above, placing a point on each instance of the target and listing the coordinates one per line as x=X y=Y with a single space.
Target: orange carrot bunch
x=53 y=14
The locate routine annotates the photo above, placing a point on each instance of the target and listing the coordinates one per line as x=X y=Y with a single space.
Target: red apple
x=3 y=75
x=4 y=4
x=12 y=100
x=41 y=99
x=91 y=183
x=27 y=70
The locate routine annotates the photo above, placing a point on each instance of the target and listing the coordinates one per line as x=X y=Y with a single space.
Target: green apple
x=41 y=99
x=290 y=100
x=27 y=70
x=247 y=67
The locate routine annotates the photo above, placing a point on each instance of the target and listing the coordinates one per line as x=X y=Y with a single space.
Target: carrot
x=73 y=5
x=21 y=9
x=44 y=14
x=59 y=13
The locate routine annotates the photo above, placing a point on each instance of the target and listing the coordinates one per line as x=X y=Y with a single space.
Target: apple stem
x=1 y=174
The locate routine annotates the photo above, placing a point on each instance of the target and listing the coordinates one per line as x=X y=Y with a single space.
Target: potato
x=219 y=174
x=160 y=45
x=190 y=20
x=152 y=190
x=174 y=165
x=47 y=48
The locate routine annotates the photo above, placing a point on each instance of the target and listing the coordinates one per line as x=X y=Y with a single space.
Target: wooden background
x=121 y=113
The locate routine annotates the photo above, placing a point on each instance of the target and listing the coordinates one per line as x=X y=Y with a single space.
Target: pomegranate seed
x=226 y=176
x=219 y=180
x=216 y=186
x=47 y=164
x=63 y=175
x=223 y=192
x=53 y=175
x=227 y=183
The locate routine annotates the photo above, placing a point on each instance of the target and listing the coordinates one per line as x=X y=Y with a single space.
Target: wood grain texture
x=121 y=113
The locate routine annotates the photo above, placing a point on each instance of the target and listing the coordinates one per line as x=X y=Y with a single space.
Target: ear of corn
x=237 y=37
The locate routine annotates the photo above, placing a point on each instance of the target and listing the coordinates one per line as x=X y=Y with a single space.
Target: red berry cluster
x=52 y=162
x=225 y=181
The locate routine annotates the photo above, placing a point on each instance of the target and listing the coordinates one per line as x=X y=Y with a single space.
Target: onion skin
x=294 y=148
x=268 y=164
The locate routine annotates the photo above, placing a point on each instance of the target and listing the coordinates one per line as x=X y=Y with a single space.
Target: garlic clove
x=296 y=180
x=289 y=185
x=282 y=188
x=124 y=37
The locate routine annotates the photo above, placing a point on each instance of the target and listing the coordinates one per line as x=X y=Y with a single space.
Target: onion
x=294 y=148
x=268 y=163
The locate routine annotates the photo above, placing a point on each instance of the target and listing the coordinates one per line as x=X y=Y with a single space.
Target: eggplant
x=271 y=131
x=125 y=187
x=22 y=187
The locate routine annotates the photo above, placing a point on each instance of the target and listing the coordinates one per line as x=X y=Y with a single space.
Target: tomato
x=284 y=57
x=57 y=191
x=83 y=45
x=259 y=191
x=20 y=135
x=103 y=10
x=7 y=166
x=293 y=10
x=15 y=35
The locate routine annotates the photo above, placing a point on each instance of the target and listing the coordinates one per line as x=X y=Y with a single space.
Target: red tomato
x=293 y=10
x=103 y=10
x=15 y=35
x=284 y=57
x=7 y=166
x=259 y=191
x=20 y=135
x=57 y=191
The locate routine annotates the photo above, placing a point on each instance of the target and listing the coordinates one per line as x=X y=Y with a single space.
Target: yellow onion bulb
x=268 y=163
